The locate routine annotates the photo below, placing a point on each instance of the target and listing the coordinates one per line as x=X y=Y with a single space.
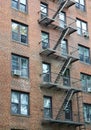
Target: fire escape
x=67 y=61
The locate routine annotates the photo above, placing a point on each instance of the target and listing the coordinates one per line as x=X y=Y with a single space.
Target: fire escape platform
x=71 y=30
x=53 y=54
x=48 y=85
x=46 y=20
x=61 y=122
x=69 y=3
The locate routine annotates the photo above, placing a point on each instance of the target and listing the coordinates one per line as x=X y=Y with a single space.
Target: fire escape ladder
x=63 y=69
x=65 y=103
x=60 y=8
x=62 y=36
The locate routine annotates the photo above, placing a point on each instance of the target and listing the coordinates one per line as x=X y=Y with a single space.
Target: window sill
x=84 y=62
x=19 y=77
x=80 y=35
x=20 y=115
x=17 y=10
x=21 y=43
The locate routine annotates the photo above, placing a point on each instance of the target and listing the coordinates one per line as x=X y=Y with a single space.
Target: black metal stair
x=63 y=69
x=65 y=103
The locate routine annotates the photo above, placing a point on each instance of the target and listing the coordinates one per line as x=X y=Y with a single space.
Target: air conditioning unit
x=85 y=34
x=17 y=72
x=89 y=89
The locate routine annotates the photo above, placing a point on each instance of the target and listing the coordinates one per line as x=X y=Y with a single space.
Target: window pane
x=23 y=32
x=44 y=10
x=15 y=4
x=23 y=1
x=82 y=2
x=84 y=26
x=15 y=31
x=47 y=103
x=24 y=67
x=15 y=63
x=46 y=72
x=78 y=23
x=15 y=97
x=24 y=99
x=24 y=110
x=45 y=40
x=14 y=108
x=64 y=47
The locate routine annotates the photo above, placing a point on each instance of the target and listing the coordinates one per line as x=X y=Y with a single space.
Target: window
x=81 y=27
x=46 y=72
x=62 y=19
x=20 y=5
x=86 y=82
x=47 y=107
x=68 y=111
x=20 y=66
x=44 y=10
x=20 y=32
x=66 y=78
x=87 y=112
x=80 y=4
x=64 y=47
x=19 y=103
x=84 y=54
x=45 y=40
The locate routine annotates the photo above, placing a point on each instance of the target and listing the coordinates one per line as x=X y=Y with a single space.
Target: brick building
x=45 y=65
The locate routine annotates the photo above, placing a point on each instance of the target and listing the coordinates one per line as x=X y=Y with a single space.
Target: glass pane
x=15 y=62
x=47 y=103
x=14 y=108
x=45 y=40
x=15 y=27
x=45 y=68
x=86 y=52
x=82 y=2
x=47 y=113
x=78 y=24
x=24 y=109
x=23 y=30
x=62 y=16
x=15 y=4
x=23 y=1
x=43 y=8
x=84 y=26
x=15 y=97
x=24 y=67
x=22 y=7
x=64 y=47
x=24 y=99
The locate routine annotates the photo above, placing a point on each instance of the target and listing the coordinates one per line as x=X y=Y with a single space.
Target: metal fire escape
x=46 y=21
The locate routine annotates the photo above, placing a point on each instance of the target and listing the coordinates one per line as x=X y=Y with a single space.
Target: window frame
x=44 y=42
x=48 y=74
x=86 y=111
x=85 y=80
x=47 y=108
x=64 y=50
x=20 y=104
x=80 y=30
x=43 y=14
x=19 y=37
x=80 y=6
x=67 y=78
x=82 y=56
x=19 y=65
x=19 y=4
x=62 y=22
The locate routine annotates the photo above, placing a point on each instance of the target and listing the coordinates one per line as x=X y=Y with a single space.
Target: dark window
x=47 y=107
x=87 y=112
x=20 y=66
x=86 y=82
x=44 y=10
x=84 y=54
x=81 y=27
x=64 y=47
x=66 y=78
x=20 y=5
x=46 y=72
x=19 y=32
x=80 y=4
x=68 y=111
x=62 y=19
x=19 y=103
x=45 y=40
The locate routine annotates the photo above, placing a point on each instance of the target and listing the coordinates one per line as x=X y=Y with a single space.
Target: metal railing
x=61 y=50
x=64 y=82
x=66 y=116
x=70 y=22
